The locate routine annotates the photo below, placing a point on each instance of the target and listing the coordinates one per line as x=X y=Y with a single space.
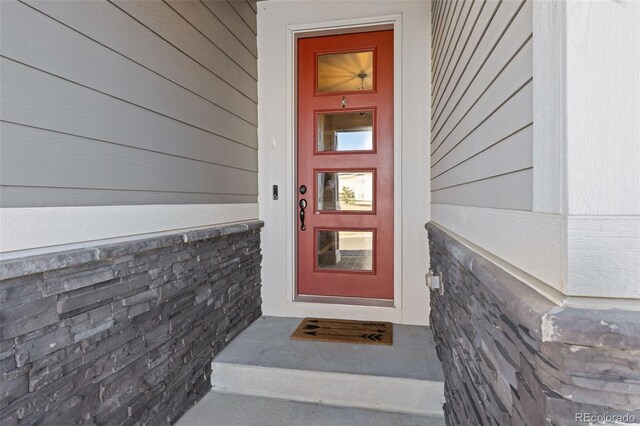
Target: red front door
x=345 y=165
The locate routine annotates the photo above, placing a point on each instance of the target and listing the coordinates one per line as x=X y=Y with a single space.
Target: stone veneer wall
x=511 y=357
x=123 y=333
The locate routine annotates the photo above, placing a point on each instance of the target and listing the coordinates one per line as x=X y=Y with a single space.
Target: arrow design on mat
x=375 y=337
x=314 y=327
x=375 y=324
x=317 y=333
x=365 y=324
x=345 y=333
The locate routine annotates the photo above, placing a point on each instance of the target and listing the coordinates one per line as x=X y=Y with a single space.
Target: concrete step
x=263 y=361
x=219 y=409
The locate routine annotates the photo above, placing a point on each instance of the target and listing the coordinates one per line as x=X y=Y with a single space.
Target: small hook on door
x=344 y=102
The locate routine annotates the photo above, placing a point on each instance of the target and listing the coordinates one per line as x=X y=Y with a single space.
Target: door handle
x=303 y=205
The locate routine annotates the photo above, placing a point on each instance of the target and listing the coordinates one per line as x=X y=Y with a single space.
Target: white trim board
x=577 y=260
x=602 y=98
x=35 y=228
x=300 y=309
x=585 y=133
x=532 y=242
x=603 y=256
x=278 y=24
x=549 y=109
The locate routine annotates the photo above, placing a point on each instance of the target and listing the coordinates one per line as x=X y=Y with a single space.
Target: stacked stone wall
x=512 y=357
x=123 y=333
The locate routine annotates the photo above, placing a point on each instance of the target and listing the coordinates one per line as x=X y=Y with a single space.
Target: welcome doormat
x=345 y=331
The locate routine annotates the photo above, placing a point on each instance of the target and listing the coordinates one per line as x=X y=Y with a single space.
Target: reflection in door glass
x=345 y=131
x=345 y=72
x=346 y=191
x=345 y=250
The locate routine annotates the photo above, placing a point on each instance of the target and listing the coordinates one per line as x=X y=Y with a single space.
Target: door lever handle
x=303 y=205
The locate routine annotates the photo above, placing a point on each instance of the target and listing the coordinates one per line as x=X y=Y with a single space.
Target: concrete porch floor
x=220 y=409
x=264 y=378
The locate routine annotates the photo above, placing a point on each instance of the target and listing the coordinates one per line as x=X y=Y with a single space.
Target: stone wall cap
x=137 y=246
x=12 y=268
x=615 y=328
x=220 y=230
x=19 y=267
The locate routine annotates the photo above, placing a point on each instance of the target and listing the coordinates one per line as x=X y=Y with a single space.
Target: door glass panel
x=345 y=72
x=345 y=131
x=345 y=250
x=345 y=191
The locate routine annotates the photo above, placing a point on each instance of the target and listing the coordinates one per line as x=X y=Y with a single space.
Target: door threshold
x=341 y=300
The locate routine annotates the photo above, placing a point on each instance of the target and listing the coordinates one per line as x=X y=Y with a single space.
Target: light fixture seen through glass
x=345 y=72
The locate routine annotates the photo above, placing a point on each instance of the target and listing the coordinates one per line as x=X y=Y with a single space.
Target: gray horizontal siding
x=166 y=23
x=499 y=191
x=129 y=102
x=482 y=112
x=68 y=161
x=30 y=196
x=247 y=14
x=234 y=23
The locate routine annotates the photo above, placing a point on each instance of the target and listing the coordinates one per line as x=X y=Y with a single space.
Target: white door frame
x=343 y=307
x=408 y=306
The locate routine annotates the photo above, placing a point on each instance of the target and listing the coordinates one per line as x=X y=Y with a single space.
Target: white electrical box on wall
x=434 y=281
